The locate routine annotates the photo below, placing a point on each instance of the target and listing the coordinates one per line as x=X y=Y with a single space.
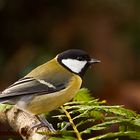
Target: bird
x=50 y=85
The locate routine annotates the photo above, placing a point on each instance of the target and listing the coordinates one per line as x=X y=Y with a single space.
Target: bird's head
x=76 y=61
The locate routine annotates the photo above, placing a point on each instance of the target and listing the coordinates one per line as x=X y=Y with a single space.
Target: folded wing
x=28 y=86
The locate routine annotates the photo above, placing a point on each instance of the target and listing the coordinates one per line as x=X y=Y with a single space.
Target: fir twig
x=72 y=123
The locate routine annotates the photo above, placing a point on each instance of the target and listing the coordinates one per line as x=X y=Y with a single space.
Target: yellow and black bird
x=50 y=85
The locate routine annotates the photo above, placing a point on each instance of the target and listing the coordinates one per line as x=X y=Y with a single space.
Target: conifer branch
x=72 y=123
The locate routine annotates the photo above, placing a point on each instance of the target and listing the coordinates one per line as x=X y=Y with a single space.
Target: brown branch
x=21 y=122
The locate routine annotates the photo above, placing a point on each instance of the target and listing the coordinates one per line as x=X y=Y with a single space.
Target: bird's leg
x=44 y=122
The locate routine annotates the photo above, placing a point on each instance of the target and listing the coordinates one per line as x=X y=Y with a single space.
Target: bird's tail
x=1 y=100
x=4 y=99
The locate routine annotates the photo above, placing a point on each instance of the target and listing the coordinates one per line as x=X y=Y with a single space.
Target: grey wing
x=29 y=86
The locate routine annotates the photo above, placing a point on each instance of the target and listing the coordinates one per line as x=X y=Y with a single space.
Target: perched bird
x=50 y=85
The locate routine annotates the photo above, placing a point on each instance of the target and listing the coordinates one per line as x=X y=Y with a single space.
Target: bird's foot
x=43 y=123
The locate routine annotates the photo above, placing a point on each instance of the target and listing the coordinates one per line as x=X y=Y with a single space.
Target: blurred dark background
x=32 y=32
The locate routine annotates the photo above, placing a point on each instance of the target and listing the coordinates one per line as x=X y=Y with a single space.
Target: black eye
x=79 y=58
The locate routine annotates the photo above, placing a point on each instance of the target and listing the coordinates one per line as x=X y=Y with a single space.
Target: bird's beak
x=92 y=61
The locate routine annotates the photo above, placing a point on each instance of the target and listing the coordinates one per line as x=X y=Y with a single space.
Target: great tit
x=50 y=85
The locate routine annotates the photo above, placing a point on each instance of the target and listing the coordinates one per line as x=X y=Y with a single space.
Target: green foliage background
x=94 y=120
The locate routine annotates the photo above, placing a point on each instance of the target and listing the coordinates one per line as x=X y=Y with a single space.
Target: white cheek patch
x=74 y=65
